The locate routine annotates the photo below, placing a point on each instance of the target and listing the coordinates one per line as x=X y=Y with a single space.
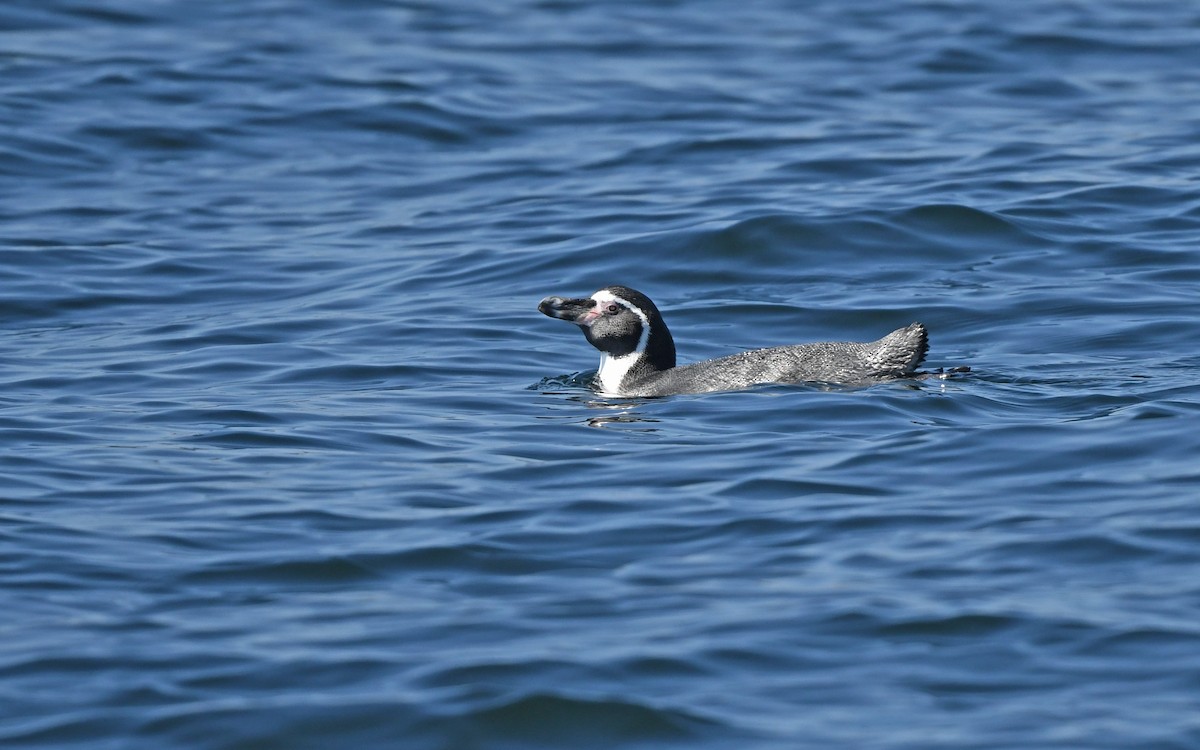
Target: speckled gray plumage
x=895 y=355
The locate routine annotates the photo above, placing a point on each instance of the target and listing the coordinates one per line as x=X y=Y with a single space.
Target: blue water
x=289 y=459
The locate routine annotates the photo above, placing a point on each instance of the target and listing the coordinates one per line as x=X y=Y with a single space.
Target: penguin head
x=618 y=321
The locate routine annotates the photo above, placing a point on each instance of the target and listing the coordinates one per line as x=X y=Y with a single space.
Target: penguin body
x=637 y=352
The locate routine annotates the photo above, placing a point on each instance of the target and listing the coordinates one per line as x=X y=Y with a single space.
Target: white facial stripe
x=603 y=297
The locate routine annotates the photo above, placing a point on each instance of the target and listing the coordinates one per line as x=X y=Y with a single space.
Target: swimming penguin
x=637 y=353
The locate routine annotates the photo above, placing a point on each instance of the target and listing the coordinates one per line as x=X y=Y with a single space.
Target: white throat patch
x=614 y=369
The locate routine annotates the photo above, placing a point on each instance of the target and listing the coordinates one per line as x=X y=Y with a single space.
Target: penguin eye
x=612 y=308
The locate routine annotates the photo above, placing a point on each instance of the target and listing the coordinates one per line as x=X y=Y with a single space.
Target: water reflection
x=577 y=388
x=623 y=412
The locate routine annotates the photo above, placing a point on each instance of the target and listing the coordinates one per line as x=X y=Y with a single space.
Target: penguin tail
x=902 y=351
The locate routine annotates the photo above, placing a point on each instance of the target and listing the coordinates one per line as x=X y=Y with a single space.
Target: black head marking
x=615 y=327
x=659 y=346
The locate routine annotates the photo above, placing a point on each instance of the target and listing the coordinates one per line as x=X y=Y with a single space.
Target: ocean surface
x=289 y=459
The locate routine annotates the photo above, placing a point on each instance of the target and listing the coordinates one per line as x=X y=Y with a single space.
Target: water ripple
x=290 y=458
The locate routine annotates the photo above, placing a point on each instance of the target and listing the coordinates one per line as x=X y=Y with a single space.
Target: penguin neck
x=655 y=355
x=614 y=370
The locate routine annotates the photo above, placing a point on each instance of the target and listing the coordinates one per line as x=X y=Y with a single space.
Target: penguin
x=637 y=353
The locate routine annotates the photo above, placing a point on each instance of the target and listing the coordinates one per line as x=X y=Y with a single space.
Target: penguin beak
x=581 y=312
